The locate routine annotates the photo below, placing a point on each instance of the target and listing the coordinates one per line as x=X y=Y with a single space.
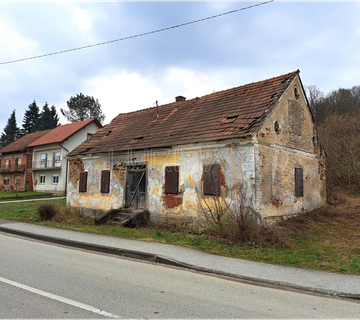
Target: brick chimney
x=180 y=98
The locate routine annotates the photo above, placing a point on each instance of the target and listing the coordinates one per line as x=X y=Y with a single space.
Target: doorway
x=135 y=196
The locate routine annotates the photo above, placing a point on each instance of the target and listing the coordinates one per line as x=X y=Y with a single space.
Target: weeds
x=234 y=220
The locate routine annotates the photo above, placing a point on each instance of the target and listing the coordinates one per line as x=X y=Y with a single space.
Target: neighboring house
x=50 y=165
x=169 y=159
x=16 y=162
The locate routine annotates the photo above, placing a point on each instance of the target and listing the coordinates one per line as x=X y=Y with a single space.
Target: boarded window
x=299 y=182
x=172 y=180
x=83 y=181
x=105 y=181
x=211 y=180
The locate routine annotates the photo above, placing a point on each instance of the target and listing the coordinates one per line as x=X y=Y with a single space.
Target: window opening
x=43 y=160
x=105 y=181
x=55 y=179
x=6 y=180
x=277 y=127
x=83 y=181
x=17 y=179
x=172 y=180
x=299 y=182
x=56 y=159
x=211 y=177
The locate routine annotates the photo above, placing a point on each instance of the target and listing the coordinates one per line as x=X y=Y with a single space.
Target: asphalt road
x=39 y=280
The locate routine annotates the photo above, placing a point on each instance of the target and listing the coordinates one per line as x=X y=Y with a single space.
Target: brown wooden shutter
x=105 y=181
x=211 y=181
x=299 y=182
x=83 y=182
x=172 y=180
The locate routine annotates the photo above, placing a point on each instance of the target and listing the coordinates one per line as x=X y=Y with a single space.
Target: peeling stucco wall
x=237 y=164
x=289 y=140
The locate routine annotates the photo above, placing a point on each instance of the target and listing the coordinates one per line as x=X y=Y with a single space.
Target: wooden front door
x=136 y=187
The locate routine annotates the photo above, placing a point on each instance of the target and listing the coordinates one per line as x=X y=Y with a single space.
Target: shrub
x=47 y=211
x=234 y=219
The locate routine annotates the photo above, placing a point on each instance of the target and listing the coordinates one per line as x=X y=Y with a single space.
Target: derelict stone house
x=167 y=158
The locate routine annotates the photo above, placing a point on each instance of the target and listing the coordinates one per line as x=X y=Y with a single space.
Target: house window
x=7 y=163
x=42 y=179
x=56 y=159
x=105 y=181
x=17 y=179
x=299 y=182
x=43 y=160
x=211 y=177
x=6 y=180
x=83 y=182
x=172 y=180
x=89 y=135
x=55 y=179
x=18 y=162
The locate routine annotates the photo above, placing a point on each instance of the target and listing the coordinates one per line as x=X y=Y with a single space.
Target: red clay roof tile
x=63 y=132
x=20 y=144
x=196 y=120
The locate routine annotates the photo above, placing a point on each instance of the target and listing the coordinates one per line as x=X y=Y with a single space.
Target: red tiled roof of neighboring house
x=63 y=132
x=232 y=113
x=20 y=144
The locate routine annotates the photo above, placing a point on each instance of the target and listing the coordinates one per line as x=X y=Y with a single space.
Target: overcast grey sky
x=322 y=39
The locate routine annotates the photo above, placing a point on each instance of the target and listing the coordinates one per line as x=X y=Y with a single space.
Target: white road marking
x=61 y=299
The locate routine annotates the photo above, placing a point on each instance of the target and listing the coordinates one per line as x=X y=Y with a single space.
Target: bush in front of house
x=234 y=219
x=47 y=211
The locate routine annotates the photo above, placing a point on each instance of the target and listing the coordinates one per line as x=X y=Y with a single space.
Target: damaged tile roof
x=232 y=113
x=63 y=132
x=20 y=144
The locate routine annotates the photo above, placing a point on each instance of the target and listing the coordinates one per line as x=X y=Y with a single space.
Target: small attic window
x=232 y=117
x=277 y=127
x=296 y=93
x=138 y=138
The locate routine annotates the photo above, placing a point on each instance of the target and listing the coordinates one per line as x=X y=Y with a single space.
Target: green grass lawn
x=327 y=239
x=21 y=194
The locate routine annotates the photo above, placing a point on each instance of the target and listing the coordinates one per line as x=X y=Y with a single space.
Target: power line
x=137 y=35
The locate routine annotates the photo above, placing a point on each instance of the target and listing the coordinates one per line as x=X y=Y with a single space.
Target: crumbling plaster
x=288 y=140
x=237 y=164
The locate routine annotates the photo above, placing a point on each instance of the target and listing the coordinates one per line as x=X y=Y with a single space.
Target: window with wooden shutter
x=172 y=180
x=299 y=182
x=105 y=181
x=83 y=182
x=211 y=177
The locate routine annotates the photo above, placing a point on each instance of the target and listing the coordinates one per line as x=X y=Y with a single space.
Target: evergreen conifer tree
x=30 y=119
x=11 y=131
x=48 y=119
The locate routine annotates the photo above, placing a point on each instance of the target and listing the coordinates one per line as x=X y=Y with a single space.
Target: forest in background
x=337 y=118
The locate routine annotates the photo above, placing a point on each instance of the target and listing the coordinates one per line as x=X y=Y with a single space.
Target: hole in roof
x=232 y=117
x=138 y=138
x=108 y=133
x=176 y=108
x=286 y=80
